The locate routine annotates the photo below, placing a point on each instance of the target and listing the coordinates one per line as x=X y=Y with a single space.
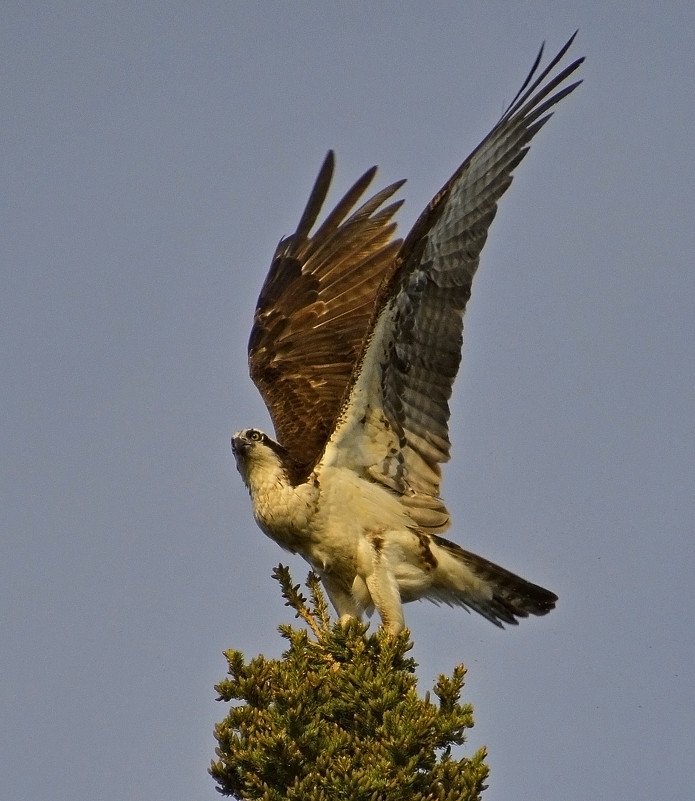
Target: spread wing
x=314 y=311
x=393 y=425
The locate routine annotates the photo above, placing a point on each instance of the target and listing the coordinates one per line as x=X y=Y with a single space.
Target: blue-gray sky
x=152 y=155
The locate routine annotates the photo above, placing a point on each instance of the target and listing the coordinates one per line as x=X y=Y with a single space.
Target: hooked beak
x=239 y=445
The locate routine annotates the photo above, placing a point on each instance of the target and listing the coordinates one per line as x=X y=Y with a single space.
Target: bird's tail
x=495 y=593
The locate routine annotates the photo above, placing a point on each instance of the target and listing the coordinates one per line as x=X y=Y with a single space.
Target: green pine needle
x=339 y=717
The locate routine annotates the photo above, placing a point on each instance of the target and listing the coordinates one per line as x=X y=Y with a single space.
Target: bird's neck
x=282 y=509
x=266 y=477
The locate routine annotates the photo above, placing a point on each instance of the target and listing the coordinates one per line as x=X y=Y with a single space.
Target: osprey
x=355 y=345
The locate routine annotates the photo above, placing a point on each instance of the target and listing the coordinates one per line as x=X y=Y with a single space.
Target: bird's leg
x=383 y=588
x=342 y=599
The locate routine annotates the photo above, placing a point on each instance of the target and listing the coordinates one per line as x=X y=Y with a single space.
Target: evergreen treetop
x=339 y=717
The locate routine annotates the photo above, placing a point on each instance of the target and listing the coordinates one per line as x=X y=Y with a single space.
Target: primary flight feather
x=355 y=346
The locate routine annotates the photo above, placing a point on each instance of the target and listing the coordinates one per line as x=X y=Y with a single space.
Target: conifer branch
x=340 y=717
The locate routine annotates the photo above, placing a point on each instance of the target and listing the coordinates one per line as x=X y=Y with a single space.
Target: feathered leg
x=345 y=604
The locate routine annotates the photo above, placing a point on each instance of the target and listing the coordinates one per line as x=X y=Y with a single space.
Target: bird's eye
x=256 y=436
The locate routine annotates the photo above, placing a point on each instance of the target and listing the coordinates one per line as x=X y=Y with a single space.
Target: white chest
x=284 y=512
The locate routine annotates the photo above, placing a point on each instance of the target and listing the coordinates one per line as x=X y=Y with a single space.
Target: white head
x=259 y=458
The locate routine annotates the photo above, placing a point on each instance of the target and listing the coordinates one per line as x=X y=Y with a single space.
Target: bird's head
x=258 y=457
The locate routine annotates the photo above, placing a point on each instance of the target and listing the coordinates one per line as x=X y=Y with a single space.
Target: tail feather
x=498 y=595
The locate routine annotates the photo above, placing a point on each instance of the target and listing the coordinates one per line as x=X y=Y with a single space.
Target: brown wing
x=396 y=415
x=314 y=310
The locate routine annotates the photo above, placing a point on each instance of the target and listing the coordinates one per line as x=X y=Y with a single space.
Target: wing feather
x=314 y=310
x=394 y=420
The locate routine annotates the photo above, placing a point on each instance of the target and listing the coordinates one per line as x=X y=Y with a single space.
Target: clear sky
x=152 y=155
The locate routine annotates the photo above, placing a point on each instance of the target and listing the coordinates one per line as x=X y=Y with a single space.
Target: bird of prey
x=355 y=345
